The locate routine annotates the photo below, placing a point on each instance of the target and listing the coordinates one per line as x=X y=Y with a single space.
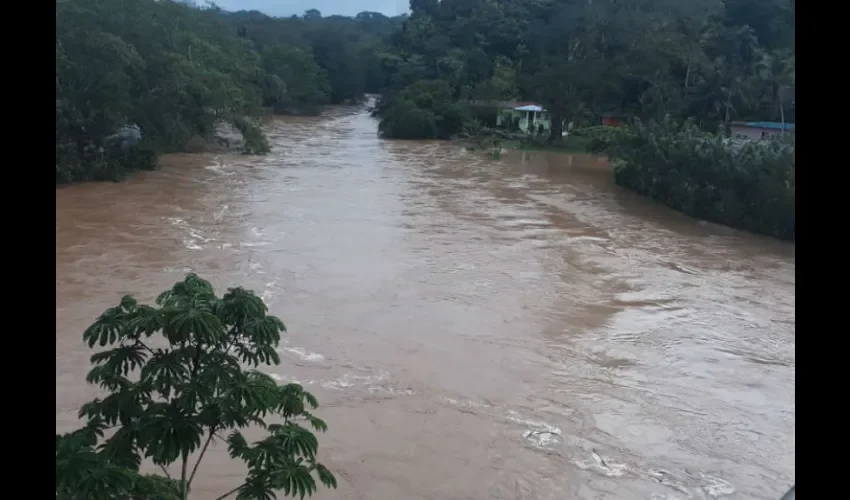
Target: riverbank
x=240 y=135
x=568 y=145
x=749 y=184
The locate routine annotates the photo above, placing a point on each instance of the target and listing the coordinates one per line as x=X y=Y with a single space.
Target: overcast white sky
x=327 y=7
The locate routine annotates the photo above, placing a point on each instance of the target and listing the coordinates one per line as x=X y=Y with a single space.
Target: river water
x=473 y=328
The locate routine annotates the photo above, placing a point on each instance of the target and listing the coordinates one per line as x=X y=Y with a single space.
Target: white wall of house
x=741 y=132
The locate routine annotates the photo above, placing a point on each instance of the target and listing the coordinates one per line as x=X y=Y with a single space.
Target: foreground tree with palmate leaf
x=175 y=384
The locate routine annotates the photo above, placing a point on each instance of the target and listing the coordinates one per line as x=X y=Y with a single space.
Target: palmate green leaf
x=128 y=303
x=291 y=403
x=263 y=383
x=256 y=488
x=291 y=440
x=254 y=355
x=119 y=407
x=256 y=392
x=325 y=476
x=237 y=445
x=247 y=354
x=107 y=378
x=211 y=414
x=121 y=360
x=167 y=433
x=268 y=355
x=182 y=323
x=263 y=454
x=235 y=414
x=120 y=449
x=196 y=395
x=152 y=487
x=107 y=329
x=311 y=400
x=294 y=479
x=317 y=423
x=144 y=320
x=165 y=370
x=264 y=331
x=188 y=294
x=292 y=399
x=86 y=437
x=216 y=372
x=239 y=306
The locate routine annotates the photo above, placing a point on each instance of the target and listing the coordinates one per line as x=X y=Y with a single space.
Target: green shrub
x=103 y=164
x=744 y=184
x=256 y=142
x=404 y=120
x=423 y=110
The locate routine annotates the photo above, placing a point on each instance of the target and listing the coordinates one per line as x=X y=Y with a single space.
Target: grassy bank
x=569 y=144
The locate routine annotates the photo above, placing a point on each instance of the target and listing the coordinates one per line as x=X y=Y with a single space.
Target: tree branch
x=233 y=339
x=139 y=342
x=184 y=487
x=201 y=456
x=165 y=471
x=234 y=490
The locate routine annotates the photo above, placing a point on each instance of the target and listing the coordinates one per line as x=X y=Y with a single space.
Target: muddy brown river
x=473 y=328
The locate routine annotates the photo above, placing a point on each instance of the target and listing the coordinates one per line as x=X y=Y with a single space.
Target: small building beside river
x=528 y=117
x=759 y=130
x=522 y=116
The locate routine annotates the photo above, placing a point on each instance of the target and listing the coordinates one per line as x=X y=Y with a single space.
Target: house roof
x=765 y=125
x=503 y=104
x=529 y=107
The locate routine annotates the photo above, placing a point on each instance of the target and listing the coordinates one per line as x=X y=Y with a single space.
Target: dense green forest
x=712 y=60
x=137 y=78
x=171 y=71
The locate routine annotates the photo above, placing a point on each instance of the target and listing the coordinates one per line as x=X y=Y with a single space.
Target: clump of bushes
x=256 y=142
x=744 y=184
x=424 y=110
x=105 y=163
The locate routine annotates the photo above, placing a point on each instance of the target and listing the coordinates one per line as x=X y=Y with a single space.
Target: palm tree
x=777 y=72
x=727 y=83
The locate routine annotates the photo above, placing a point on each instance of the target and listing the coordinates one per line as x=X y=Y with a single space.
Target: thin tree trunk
x=556 y=127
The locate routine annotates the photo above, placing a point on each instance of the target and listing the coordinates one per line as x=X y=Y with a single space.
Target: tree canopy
x=713 y=61
x=177 y=377
x=171 y=71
